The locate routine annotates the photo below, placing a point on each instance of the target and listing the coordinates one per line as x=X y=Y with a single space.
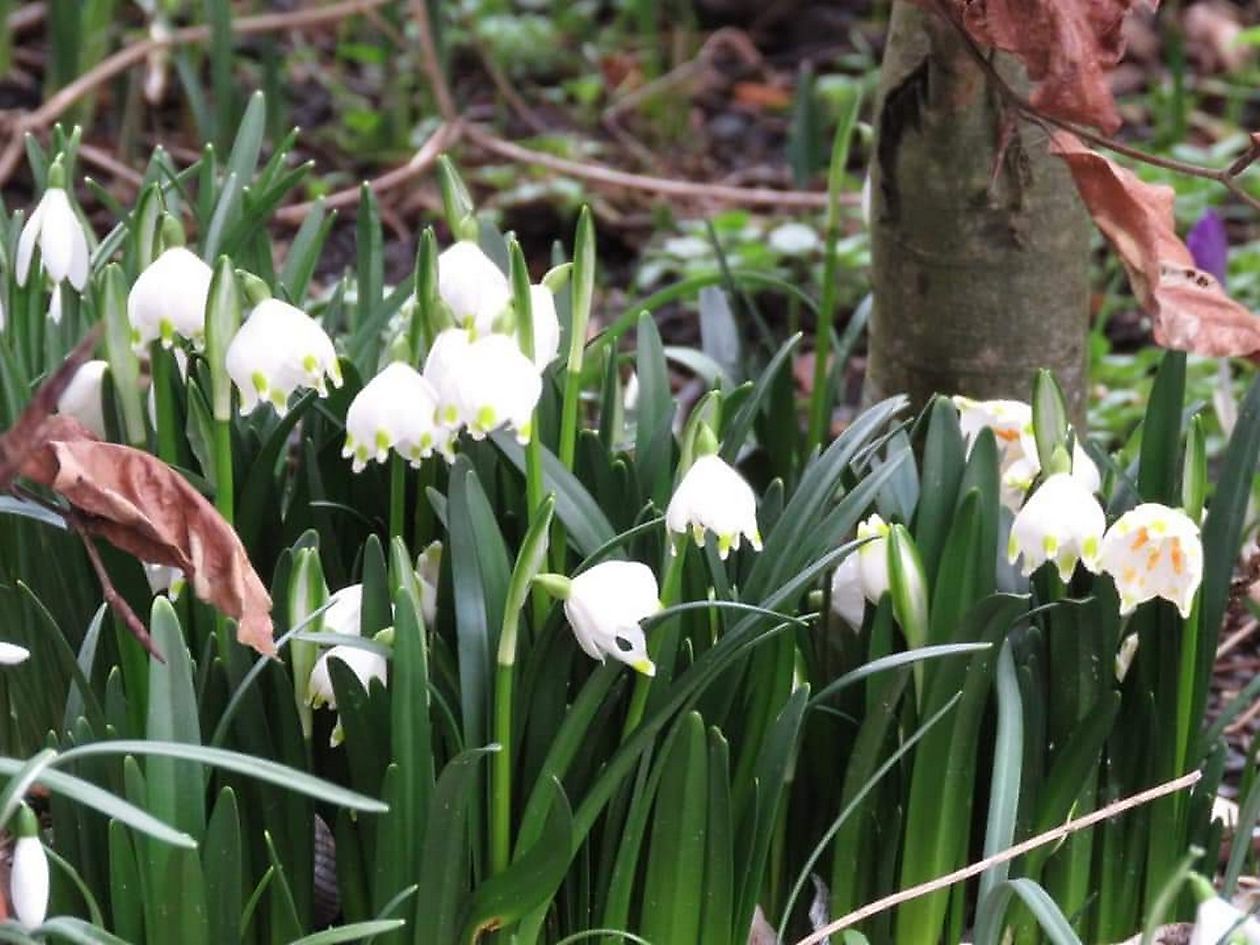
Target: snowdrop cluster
x=1019 y=464
x=476 y=376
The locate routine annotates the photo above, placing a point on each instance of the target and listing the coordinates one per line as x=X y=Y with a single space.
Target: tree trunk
x=979 y=243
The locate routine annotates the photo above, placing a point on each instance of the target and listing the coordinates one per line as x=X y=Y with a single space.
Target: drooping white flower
x=475 y=289
x=1217 y=922
x=497 y=386
x=873 y=558
x=1154 y=551
x=605 y=606
x=62 y=241
x=1018 y=477
x=11 y=654
x=1009 y=420
x=396 y=410
x=364 y=663
x=163 y=577
x=1061 y=522
x=848 y=598
x=542 y=307
x=28 y=877
x=443 y=369
x=279 y=349
x=169 y=299
x=82 y=397
x=714 y=497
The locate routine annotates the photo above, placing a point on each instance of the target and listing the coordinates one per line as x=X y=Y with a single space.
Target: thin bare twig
x=441 y=140
x=138 y=51
x=432 y=63
x=1011 y=853
x=611 y=177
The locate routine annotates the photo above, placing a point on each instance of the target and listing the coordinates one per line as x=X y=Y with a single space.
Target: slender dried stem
x=1055 y=835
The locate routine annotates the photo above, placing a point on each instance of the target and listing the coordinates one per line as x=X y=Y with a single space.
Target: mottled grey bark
x=979 y=243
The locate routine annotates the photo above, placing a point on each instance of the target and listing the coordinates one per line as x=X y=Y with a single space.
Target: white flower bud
x=848 y=601
x=28 y=877
x=604 y=608
x=279 y=349
x=1154 y=551
x=396 y=410
x=82 y=397
x=714 y=497
x=63 y=244
x=428 y=571
x=542 y=307
x=475 y=289
x=169 y=299
x=873 y=558
x=11 y=654
x=1062 y=522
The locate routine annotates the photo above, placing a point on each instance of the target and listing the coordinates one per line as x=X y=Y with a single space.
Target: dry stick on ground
x=136 y=53
x=1225 y=176
x=975 y=869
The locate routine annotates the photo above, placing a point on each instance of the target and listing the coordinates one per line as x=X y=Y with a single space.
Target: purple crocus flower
x=1209 y=244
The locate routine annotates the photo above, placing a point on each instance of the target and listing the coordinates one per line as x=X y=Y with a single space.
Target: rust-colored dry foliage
x=139 y=504
x=1067 y=47
x=1189 y=309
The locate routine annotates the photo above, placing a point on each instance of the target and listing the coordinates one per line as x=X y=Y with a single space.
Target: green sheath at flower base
x=223 y=318
x=124 y=366
x=146 y=225
x=307 y=593
x=1194 y=472
x=456 y=201
x=429 y=316
x=171 y=232
x=908 y=585
x=1049 y=417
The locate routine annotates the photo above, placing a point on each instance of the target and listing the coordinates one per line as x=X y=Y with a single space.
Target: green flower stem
x=224 y=487
x=167 y=434
x=397 y=496
x=422 y=525
x=820 y=397
x=1186 y=684
x=501 y=761
x=671 y=591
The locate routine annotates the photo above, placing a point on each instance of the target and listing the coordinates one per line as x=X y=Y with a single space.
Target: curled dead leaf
x=1189 y=309
x=139 y=504
x=1067 y=46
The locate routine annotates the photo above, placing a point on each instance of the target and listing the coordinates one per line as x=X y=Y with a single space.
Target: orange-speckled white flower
x=1154 y=551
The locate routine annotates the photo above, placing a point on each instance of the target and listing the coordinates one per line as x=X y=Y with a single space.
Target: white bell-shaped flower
x=443 y=369
x=1216 y=922
x=364 y=663
x=1010 y=421
x=28 y=876
x=163 y=577
x=396 y=410
x=1018 y=477
x=428 y=571
x=62 y=241
x=11 y=654
x=475 y=289
x=873 y=558
x=1154 y=551
x=848 y=599
x=542 y=307
x=82 y=397
x=714 y=497
x=605 y=606
x=279 y=349
x=169 y=299
x=497 y=386
x=1061 y=522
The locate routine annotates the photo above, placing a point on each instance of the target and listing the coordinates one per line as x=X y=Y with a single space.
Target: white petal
x=546 y=325
x=28 y=880
x=714 y=497
x=847 y=599
x=172 y=289
x=58 y=234
x=873 y=558
x=82 y=398
x=11 y=654
x=605 y=606
x=470 y=283
x=26 y=243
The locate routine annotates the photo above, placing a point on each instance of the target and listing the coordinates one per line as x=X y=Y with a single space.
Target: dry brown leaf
x=136 y=502
x=1189 y=309
x=1067 y=46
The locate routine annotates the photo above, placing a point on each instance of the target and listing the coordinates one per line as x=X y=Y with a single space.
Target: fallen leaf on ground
x=1189 y=309
x=139 y=504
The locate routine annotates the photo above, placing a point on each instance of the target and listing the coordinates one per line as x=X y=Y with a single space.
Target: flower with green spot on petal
x=1061 y=522
x=713 y=497
x=279 y=349
x=396 y=410
x=496 y=386
x=169 y=299
x=472 y=286
x=605 y=606
x=366 y=665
